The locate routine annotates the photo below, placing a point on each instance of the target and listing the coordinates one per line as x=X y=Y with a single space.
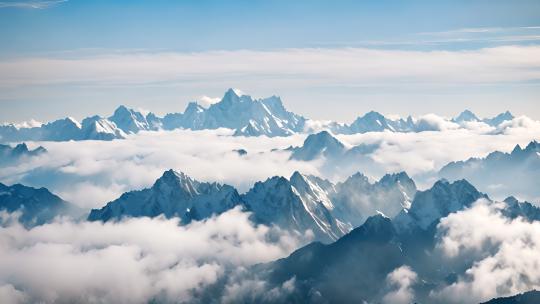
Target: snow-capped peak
x=173 y=194
x=466 y=116
x=73 y=121
x=382 y=214
x=232 y=94
x=172 y=179
x=238 y=92
x=317 y=145
x=32 y=123
x=193 y=107
x=442 y=199
x=497 y=120
x=129 y=120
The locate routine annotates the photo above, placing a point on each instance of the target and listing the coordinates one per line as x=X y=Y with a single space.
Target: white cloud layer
x=519 y=125
x=125 y=262
x=133 y=261
x=400 y=281
x=503 y=254
x=422 y=154
x=433 y=122
x=91 y=173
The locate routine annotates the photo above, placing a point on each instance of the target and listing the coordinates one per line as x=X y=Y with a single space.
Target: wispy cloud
x=483 y=35
x=390 y=78
x=474 y=30
x=343 y=66
x=30 y=4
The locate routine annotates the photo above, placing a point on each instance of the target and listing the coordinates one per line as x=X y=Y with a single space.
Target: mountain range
x=301 y=203
x=357 y=246
x=172 y=195
x=11 y=155
x=324 y=144
x=355 y=268
x=94 y=127
x=335 y=157
x=241 y=113
x=501 y=174
x=321 y=144
x=468 y=116
x=305 y=203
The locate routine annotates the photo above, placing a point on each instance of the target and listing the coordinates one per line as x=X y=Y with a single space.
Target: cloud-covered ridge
x=125 y=262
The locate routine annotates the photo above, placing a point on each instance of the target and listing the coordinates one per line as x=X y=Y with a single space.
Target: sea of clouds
x=493 y=255
x=91 y=173
x=500 y=254
x=139 y=260
x=133 y=261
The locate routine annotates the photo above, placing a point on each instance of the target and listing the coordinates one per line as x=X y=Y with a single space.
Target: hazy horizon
x=68 y=58
x=206 y=101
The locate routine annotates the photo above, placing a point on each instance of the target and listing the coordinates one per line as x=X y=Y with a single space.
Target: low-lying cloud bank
x=502 y=254
x=422 y=152
x=478 y=254
x=91 y=173
x=132 y=261
x=140 y=260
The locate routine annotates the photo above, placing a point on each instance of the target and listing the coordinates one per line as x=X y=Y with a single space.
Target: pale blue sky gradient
x=79 y=30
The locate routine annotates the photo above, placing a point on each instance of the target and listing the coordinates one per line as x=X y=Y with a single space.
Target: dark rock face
x=37 y=206
x=529 y=297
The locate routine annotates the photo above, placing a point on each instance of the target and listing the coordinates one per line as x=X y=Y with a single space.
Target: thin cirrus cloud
x=483 y=35
x=482 y=30
x=30 y=4
x=461 y=37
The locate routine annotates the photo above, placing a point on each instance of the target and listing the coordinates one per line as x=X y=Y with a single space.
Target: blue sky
x=203 y=25
x=76 y=32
